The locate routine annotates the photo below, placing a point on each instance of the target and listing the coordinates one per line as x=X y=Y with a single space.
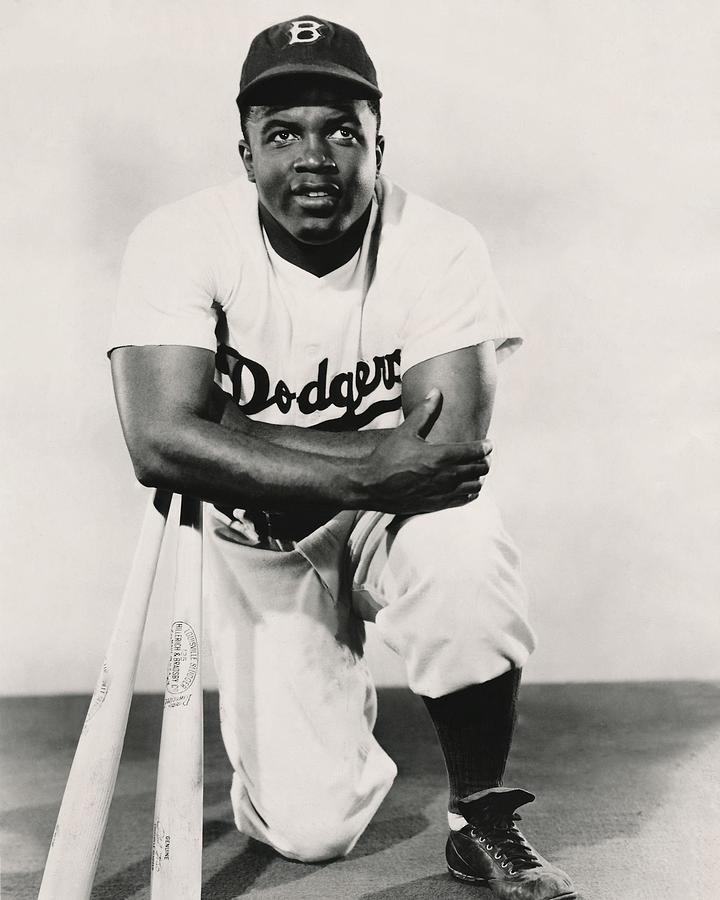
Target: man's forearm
x=190 y=454
x=240 y=469
x=342 y=445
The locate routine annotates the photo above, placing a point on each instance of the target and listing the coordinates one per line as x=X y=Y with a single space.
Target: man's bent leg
x=445 y=592
x=296 y=700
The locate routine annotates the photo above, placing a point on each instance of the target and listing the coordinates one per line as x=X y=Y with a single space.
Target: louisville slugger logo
x=183 y=665
x=254 y=392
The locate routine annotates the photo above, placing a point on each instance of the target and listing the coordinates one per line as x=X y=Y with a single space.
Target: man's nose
x=314 y=156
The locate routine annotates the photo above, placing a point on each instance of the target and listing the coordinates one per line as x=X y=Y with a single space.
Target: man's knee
x=311 y=819
x=461 y=561
x=460 y=616
x=314 y=840
x=454 y=543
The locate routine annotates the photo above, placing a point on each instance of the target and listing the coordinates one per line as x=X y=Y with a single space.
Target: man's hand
x=406 y=475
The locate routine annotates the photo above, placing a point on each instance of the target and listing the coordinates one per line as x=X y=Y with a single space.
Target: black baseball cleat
x=491 y=851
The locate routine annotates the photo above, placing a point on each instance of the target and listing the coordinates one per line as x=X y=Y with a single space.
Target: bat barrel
x=75 y=847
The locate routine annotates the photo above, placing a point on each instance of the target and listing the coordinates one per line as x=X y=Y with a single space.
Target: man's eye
x=282 y=137
x=343 y=134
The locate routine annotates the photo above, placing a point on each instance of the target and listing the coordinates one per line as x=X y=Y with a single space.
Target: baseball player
x=312 y=351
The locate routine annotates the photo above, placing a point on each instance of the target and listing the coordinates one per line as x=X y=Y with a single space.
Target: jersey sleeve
x=461 y=306
x=167 y=291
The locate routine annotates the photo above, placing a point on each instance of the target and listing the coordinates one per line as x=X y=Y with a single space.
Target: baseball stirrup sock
x=475 y=727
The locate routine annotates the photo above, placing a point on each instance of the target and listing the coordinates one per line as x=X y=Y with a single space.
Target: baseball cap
x=308 y=45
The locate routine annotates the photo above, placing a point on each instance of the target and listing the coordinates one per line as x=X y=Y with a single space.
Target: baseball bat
x=75 y=847
x=176 y=861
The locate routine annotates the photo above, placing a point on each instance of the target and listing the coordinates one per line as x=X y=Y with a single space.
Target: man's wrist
x=351 y=483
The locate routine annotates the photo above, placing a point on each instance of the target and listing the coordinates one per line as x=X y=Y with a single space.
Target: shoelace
x=502 y=835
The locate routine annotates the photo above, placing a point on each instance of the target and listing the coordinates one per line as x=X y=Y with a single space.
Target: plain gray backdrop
x=581 y=138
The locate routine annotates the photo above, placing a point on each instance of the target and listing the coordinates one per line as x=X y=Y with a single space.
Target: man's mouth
x=316 y=197
x=316 y=189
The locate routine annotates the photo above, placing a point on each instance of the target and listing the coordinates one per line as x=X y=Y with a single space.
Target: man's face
x=314 y=156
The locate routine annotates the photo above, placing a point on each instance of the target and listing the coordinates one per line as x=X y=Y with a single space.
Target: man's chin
x=317 y=233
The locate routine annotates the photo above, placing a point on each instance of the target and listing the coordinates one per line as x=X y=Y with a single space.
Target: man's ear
x=379 y=150
x=246 y=157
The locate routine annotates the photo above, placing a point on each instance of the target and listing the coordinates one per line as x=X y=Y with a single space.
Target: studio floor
x=627 y=778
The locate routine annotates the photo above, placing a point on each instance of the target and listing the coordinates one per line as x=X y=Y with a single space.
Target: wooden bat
x=176 y=865
x=75 y=847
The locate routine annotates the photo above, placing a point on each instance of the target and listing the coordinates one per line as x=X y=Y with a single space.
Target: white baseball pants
x=297 y=702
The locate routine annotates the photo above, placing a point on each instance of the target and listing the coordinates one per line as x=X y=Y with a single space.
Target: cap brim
x=328 y=70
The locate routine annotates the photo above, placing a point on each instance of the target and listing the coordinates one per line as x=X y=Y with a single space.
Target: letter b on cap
x=305 y=31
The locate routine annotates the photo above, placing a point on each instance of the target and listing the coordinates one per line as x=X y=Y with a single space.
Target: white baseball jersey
x=296 y=349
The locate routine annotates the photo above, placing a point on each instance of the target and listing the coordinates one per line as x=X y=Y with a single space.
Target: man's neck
x=318 y=259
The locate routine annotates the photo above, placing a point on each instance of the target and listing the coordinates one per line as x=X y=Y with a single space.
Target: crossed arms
x=184 y=434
